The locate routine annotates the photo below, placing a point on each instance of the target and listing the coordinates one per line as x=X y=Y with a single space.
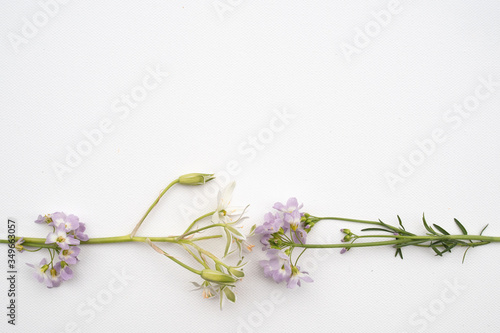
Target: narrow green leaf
x=400 y=252
x=486 y=226
x=235 y=232
x=228 y=242
x=429 y=229
x=441 y=230
x=437 y=251
x=462 y=228
x=401 y=223
x=465 y=253
x=377 y=229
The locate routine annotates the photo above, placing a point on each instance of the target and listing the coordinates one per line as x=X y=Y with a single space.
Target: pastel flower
x=54 y=278
x=43 y=219
x=293 y=219
x=291 y=205
x=224 y=213
x=299 y=236
x=40 y=270
x=61 y=238
x=79 y=233
x=297 y=276
x=70 y=255
x=65 y=272
x=272 y=224
x=69 y=222
x=18 y=245
x=277 y=267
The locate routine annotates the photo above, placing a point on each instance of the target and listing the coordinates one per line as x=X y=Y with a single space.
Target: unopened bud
x=211 y=275
x=195 y=178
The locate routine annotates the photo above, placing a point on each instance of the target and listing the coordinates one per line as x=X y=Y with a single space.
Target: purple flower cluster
x=281 y=229
x=67 y=233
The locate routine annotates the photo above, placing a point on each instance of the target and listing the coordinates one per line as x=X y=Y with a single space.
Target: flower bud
x=345 y=231
x=217 y=277
x=347 y=238
x=195 y=178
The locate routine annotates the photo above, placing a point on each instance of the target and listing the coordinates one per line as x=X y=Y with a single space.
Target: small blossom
x=65 y=271
x=291 y=205
x=39 y=273
x=224 y=213
x=54 y=278
x=69 y=222
x=293 y=219
x=70 y=255
x=43 y=219
x=18 y=245
x=277 y=267
x=61 y=238
x=297 y=276
x=79 y=233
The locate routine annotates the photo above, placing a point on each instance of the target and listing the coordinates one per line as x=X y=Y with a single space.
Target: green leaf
x=377 y=229
x=228 y=243
x=441 y=230
x=437 y=251
x=235 y=232
x=401 y=223
x=483 y=230
x=400 y=252
x=230 y=295
x=429 y=229
x=465 y=253
x=462 y=228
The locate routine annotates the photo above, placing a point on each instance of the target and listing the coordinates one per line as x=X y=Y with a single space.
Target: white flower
x=224 y=213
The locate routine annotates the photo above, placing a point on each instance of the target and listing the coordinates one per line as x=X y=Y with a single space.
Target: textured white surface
x=352 y=121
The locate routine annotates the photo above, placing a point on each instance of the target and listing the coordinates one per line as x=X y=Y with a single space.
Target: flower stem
x=152 y=206
x=40 y=242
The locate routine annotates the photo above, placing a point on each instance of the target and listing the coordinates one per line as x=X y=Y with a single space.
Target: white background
x=354 y=118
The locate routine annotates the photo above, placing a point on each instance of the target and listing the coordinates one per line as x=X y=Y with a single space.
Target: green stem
x=152 y=206
x=404 y=239
x=198 y=219
x=201 y=229
x=40 y=242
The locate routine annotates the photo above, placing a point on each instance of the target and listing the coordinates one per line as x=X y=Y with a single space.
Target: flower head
x=297 y=276
x=18 y=245
x=61 y=238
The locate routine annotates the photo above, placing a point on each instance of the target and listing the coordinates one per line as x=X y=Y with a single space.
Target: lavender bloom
x=53 y=276
x=39 y=273
x=299 y=236
x=297 y=276
x=18 y=245
x=43 y=219
x=69 y=255
x=293 y=219
x=277 y=267
x=70 y=222
x=65 y=271
x=61 y=238
x=79 y=233
x=344 y=250
x=291 y=205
